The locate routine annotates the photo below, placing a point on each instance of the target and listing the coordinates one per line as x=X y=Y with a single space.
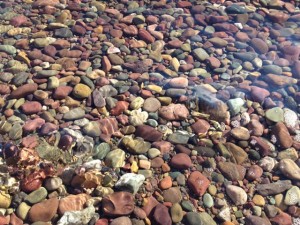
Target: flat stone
x=273 y=188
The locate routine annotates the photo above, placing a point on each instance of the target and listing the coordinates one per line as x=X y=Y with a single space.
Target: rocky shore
x=149 y=112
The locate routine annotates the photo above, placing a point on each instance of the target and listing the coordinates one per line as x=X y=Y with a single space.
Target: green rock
x=101 y=150
x=74 y=114
x=36 y=196
x=275 y=114
x=187 y=206
x=176 y=213
x=115 y=158
x=289 y=153
x=178 y=138
x=194 y=218
x=208 y=201
x=47 y=73
x=11 y=50
x=200 y=54
x=146 y=173
x=22 y=210
x=92 y=129
x=235 y=105
x=136 y=146
x=16 y=132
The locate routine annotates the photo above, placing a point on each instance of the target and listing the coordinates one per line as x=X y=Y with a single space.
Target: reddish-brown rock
x=254 y=172
x=32 y=125
x=23 y=91
x=72 y=203
x=62 y=92
x=198 y=183
x=161 y=215
x=31 y=107
x=282 y=134
x=200 y=127
x=43 y=211
x=174 y=112
x=259 y=45
x=259 y=94
x=148 y=133
x=118 y=204
x=181 y=161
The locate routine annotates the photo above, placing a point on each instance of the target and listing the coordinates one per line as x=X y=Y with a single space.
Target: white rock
x=77 y=217
x=267 y=163
x=224 y=214
x=236 y=194
x=292 y=196
x=130 y=182
x=138 y=117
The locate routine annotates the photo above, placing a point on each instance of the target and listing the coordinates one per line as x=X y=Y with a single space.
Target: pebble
x=198 y=183
x=43 y=211
x=36 y=196
x=236 y=194
x=118 y=204
x=289 y=169
x=5 y=200
x=130 y=182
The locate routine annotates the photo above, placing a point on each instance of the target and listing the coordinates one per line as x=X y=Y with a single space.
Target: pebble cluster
x=149 y=112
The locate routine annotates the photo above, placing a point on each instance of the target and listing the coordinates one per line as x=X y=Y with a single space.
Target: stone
x=258 y=200
x=172 y=195
x=208 y=201
x=181 y=161
x=82 y=91
x=275 y=114
x=238 y=154
x=292 y=196
x=236 y=194
x=92 y=129
x=178 y=82
x=130 y=182
x=151 y=104
x=289 y=169
x=32 y=107
x=203 y=218
x=22 y=210
x=72 y=203
x=254 y=172
x=23 y=91
x=161 y=215
x=259 y=45
x=52 y=183
x=62 y=92
x=74 y=114
x=36 y=196
x=256 y=220
x=43 y=211
x=176 y=213
x=200 y=54
x=232 y=171
x=273 y=188
x=174 y=112
x=148 y=133
x=200 y=127
x=121 y=220
x=115 y=158
x=118 y=204
x=282 y=135
x=178 y=138
x=5 y=200
x=11 y=50
x=77 y=217
x=198 y=183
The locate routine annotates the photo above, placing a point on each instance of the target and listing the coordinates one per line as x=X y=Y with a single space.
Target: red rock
x=4 y=220
x=227 y=27
x=106 y=65
x=31 y=107
x=282 y=134
x=14 y=220
x=163 y=146
x=18 y=20
x=174 y=112
x=259 y=94
x=263 y=148
x=62 y=92
x=146 y=36
x=282 y=219
x=165 y=183
x=139 y=213
x=242 y=36
x=108 y=126
x=291 y=53
x=254 y=172
x=278 y=16
x=181 y=161
x=256 y=220
x=120 y=107
x=232 y=171
x=259 y=45
x=50 y=50
x=148 y=133
x=151 y=202
x=65 y=142
x=118 y=204
x=213 y=62
x=61 y=44
x=200 y=127
x=32 y=125
x=43 y=211
x=48 y=128
x=198 y=183
x=4 y=89
x=175 y=43
x=217 y=19
x=79 y=30
x=70 y=53
x=30 y=141
x=102 y=222
x=23 y=91
x=131 y=30
x=178 y=82
x=72 y=203
x=256 y=128
x=184 y=4
x=157 y=162
x=43 y=3
x=161 y=215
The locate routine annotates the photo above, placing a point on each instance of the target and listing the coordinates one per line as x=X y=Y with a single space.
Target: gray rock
x=200 y=54
x=273 y=188
x=77 y=217
x=36 y=196
x=47 y=73
x=74 y=114
x=63 y=33
x=194 y=218
x=115 y=158
x=130 y=182
x=256 y=220
x=52 y=183
x=92 y=129
x=178 y=138
x=108 y=91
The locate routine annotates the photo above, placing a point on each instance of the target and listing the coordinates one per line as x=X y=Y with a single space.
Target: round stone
x=82 y=91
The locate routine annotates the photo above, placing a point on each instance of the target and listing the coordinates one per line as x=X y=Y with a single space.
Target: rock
x=282 y=135
x=52 y=183
x=82 y=91
x=172 y=195
x=254 y=172
x=148 y=133
x=282 y=219
x=62 y=92
x=178 y=82
x=115 y=158
x=11 y=50
x=174 y=112
x=259 y=45
x=72 y=203
x=236 y=194
x=259 y=94
x=43 y=211
x=130 y=182
x=289 y=169
x=121 y=220
x=36 y=196
x=23 y=91
x=151 y=105
x=195 y=218
x=74 y=114
x=208 y=201
x=161 y=215
x=181 y=161
x=31 y=107
x=258 y=200
x=176 y=213
x=77 y=217
x=275 y=114
x=5 y=200
x=273 y=188
x=200 y=127
x=200 y=54
x=118 y=204
x=178 y=138
x=256 y=220
x=92 y=129
x=292 y=196
x=232 y=171
x=198 y=183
